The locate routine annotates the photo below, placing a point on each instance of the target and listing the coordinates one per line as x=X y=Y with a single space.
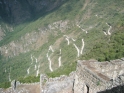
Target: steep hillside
x=18 y=11
x=66 y=31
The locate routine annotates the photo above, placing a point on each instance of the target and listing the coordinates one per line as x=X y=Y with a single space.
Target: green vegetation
x=29 y=79
x=67 y=11
x=113 y=48
x=5 y=85
x=64 y=70
x=98 y=83
x=16 y=63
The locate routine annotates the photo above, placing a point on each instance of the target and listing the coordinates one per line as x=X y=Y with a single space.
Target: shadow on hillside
x=118 y=89
x=4 y=17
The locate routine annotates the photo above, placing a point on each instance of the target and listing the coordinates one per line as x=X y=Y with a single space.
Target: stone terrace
x=110 y=69
x=97 y=76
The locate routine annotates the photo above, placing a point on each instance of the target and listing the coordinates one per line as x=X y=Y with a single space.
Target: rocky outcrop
x=32 y=40
x=4 y=29
x=1 y=34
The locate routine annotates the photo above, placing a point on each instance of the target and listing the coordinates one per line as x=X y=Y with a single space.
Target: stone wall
x=62 y=84
x=91 y=77
x=87 y=80
x=22 y=88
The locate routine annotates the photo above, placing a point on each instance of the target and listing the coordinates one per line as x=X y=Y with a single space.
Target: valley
x=50 y=36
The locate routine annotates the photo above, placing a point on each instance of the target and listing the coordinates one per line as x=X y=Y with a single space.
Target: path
x=60 y=51
x=59 y=59
x=73 y=39
x=82 y=46
x=105 y=33
x=48 y=57
x=31 y=59
x=50 y=48
x=82 y=29
x=50 y=67
x=35 y=67
x=78 y=51
x=85 y=4
x=110 y=27
x=28 y=70
x=67 y=38
x=37 y=73
x=35 y=59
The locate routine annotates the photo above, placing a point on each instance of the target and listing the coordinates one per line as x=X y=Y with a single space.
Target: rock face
x=33 y=40
x=3 y=31
x=1 y=34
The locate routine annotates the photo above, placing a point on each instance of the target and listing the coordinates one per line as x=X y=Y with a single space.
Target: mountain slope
x=56 y=40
